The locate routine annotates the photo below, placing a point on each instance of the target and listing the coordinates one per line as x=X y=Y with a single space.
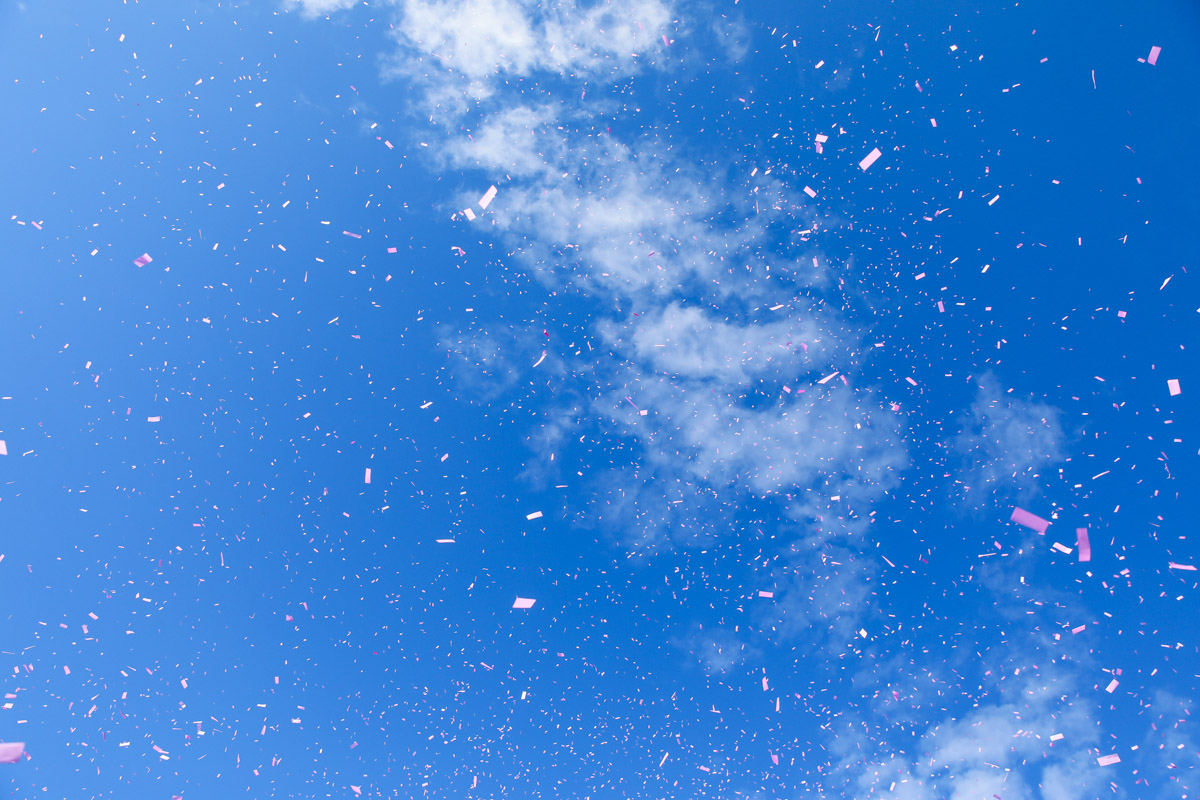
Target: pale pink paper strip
x=1154 y=51
x=143 y=260
x=866 y=163
x=1104 y=761
x=1173 y=387
x=1031 y=521
x=1085 y=545
x=11 y=752
x=524 y=602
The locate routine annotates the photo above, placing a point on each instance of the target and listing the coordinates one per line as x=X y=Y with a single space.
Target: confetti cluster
x=633 y=399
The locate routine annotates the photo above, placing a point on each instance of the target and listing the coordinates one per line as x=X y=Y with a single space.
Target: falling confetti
x=776 y=352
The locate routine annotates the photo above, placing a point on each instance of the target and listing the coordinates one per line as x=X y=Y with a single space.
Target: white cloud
x=784 y=446
x=715 y=650
x=822 y=600
x=687 y=343
x=475 y=38
x=484 y=38
x=511 y=141
x=317 y=8
x=1005 y=443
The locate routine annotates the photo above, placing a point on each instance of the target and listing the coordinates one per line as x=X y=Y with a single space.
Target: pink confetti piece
x=356 y=789
x=775 y=759
x=3 y=448
x=1104 y=761
x=809 y=191
x=1084 y=544
x=765 y=594
x=1187 y=567
x=11 y=752
x=1173 y=387
x=153 y=419
x=142 y=260
x=367 y=475
x=1152 y=59
x=1031 y=521
x=355 y=235
x=1111 y=686
x=524 y=602
x=488 y=197
x=870 y=159
x=534 y=515
x=391 y=250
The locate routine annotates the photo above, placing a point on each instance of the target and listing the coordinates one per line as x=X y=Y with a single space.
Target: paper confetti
x=1031 y=521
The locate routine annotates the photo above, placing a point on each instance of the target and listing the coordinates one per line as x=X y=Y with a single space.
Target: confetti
x=1031 y=521
x=869 y=159
x=11 y=752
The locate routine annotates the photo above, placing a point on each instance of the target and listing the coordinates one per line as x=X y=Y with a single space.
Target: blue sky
x=744 y=413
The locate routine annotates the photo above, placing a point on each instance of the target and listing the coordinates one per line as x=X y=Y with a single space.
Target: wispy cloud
x=1005 y=444
x=319 y=8
x=727 y=377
